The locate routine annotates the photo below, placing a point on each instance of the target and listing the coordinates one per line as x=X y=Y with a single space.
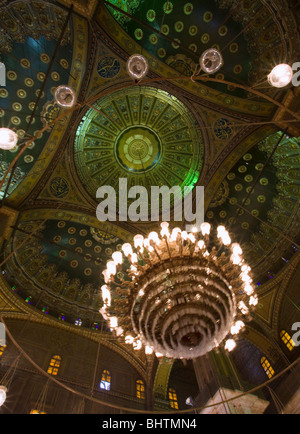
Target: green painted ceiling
x=273 y=200
x=62 y=261
x=178 y=32
x=18 y=99
x=26 y=54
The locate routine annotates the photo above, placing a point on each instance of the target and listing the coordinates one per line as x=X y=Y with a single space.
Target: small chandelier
x=8 y=139
x=137 y=67
x=211 y=61
x=181 y=295
x=65 y=96
x=281 y=75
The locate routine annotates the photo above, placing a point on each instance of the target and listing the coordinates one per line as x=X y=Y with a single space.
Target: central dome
x=140 y=133
x=138 y=149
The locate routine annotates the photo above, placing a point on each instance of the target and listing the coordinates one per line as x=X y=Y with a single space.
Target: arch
x=264 y=344
x=173 y=398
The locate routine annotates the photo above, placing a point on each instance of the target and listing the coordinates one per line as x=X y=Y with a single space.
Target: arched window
x=54 y=365
x=105 y=380
x=267 y=367
x=287 y=340
x=173 y=398
x=140 y=389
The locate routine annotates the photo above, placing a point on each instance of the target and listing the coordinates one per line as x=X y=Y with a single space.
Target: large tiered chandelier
x=182 y=293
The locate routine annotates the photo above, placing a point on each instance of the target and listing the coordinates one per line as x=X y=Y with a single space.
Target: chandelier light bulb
x=249 y=289
x=129 y=339
x=106 y=295
x=118 y=258
x=127 y=249
x=134 y=270
x=138 y=241
x=211 y=61
x=237 y=327
x=237 y=250
x=137 y=66
x=192 y=238
x=65 y=96
x=147 y=245
x=148 y=350
x=281 y=75
x=246 y=269
x=113 y=322
x=201 y=244
x=175 y=233
x=253 y=301
x=119 y=331
x=137 y=345
x=134 y=258
x=111 y=268
x=3 y=392
x=184 y=235
x=223 y=234
x=246 y=278
x=243 y=308
x=8 y=139
x=236 y=259
x=230 y=345
x=153 y=236
x=165 y=229
x=106 y=276
x=205 y=228
x=159 y=355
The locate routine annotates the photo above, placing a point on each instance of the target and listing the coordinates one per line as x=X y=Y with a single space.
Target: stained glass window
x=105 y=380
x=2 y=348
x=54 y=365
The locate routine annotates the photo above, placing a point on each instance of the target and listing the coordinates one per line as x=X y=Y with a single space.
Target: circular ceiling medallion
x=143 y=134
x=138 y=149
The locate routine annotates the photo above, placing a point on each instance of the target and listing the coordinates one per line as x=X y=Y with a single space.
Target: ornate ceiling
x=170 y=130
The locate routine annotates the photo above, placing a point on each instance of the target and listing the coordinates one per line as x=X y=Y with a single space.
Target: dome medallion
x=145 y=135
